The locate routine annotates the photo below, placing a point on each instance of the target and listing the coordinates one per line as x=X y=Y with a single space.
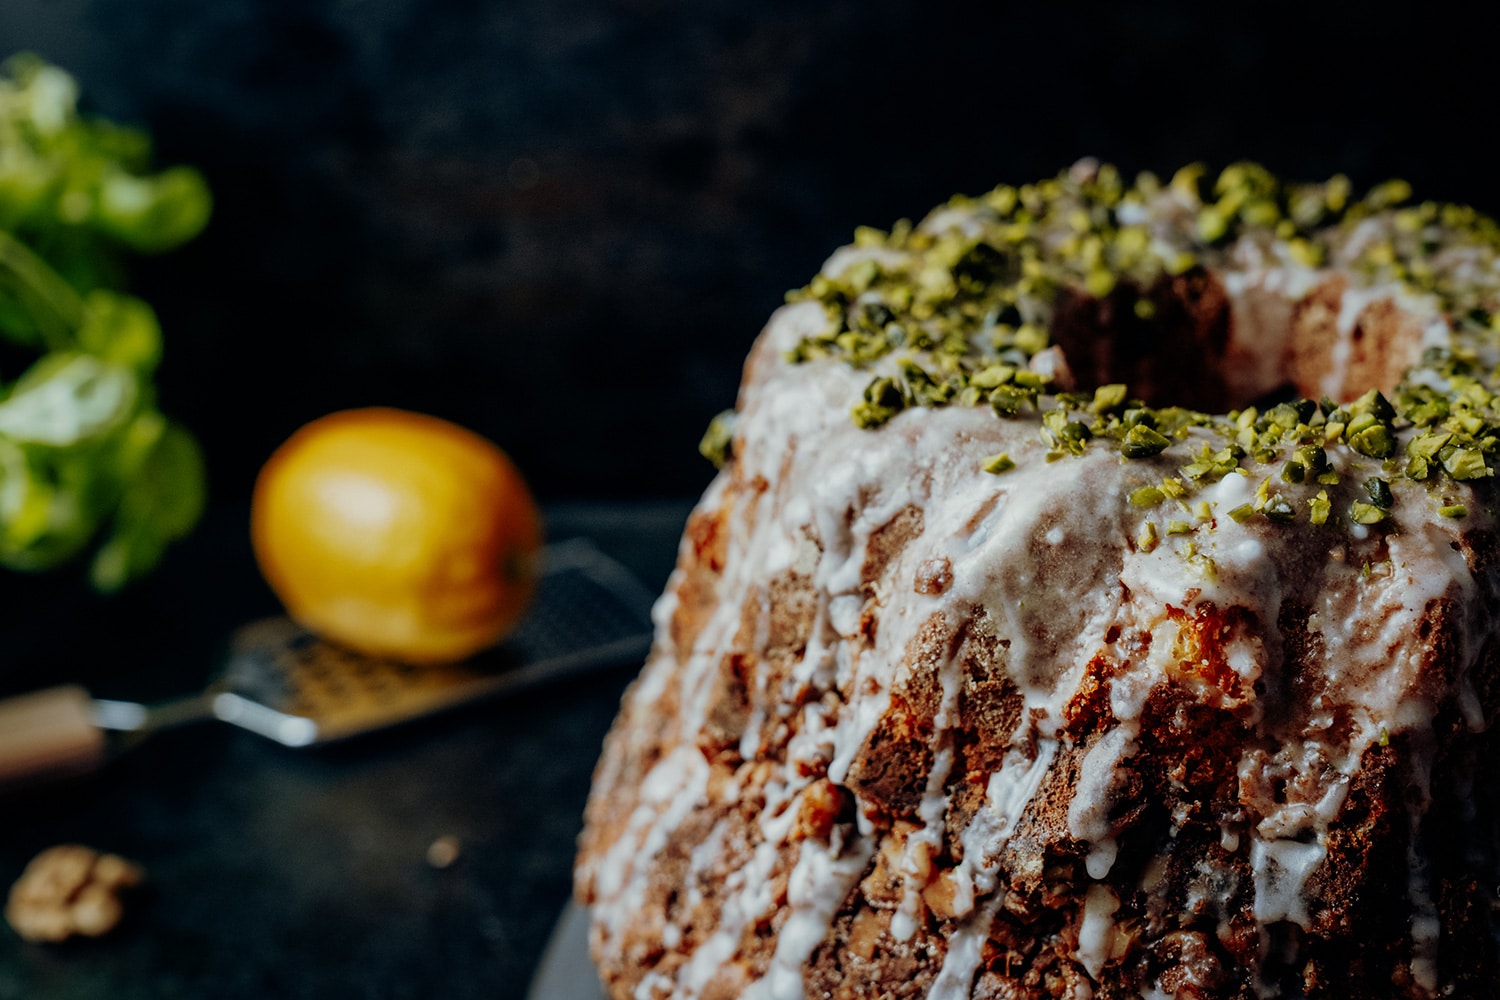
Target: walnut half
x=68 y=890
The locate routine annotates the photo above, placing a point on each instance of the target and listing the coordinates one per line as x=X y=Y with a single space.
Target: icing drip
x=1096 y=933
x=819 y=883
x=965 y=949
x=1093 y=797
x=1281 y=868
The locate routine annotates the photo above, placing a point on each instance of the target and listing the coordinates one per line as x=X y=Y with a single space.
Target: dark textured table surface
x=303 y=873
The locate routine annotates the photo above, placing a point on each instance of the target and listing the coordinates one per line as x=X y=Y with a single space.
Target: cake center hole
x=1188 y=341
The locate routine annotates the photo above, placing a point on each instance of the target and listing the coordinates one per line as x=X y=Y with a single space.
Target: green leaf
x=161 y=504
x=121 y=329
x=68 y=398
x=82 y=446
x=153 y=214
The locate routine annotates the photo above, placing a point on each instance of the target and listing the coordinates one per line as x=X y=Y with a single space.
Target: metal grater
x=287 y=684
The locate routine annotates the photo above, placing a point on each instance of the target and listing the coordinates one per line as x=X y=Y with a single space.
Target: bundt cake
x=1098 y=599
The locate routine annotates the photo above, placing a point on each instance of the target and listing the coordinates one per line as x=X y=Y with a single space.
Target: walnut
x=68 y=890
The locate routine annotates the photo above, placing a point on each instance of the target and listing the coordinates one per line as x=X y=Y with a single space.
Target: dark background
x=561 y=222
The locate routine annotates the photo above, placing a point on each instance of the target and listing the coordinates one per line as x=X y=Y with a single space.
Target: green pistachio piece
x=992 y=376
x=1336 y=192
x=1313 y=459
x=1466 y=463
x=1143 y=442
x=1427 y=445
x=1108 y=398
x=883 y=400
x=1305 y=252
x=1212 y=225
x=1320 y=507
x=1375 y=404
x=1453 y=510
x=1392 y=192
x=1279 y=508
x=997 y=464
x=1030 y=338
x=717 y=439
x=1008 y=400
x=1100 y=282
x=1146 y=496
x=1368 y=513
x=1069 y=435
x=1375 y=441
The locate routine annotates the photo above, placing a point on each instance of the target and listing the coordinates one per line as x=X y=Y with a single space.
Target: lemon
x=396 y=533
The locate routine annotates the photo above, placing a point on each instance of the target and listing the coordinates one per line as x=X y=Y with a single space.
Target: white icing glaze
x=1280 y=869
x=1096 y=932
x=955 y=979
x=1009 y=792
x=818 y=885
x=1093 y=798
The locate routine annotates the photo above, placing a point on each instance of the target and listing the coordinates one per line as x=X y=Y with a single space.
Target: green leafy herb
x=86 y=459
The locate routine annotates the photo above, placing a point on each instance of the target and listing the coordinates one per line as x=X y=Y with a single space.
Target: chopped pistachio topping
x=1453 y=510
x=943 y=314
x=1147 y=539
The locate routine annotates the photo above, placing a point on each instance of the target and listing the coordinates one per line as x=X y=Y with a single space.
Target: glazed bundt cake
x=1097 y=600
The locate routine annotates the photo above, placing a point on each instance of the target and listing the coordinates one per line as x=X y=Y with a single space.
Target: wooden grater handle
x=47 y=734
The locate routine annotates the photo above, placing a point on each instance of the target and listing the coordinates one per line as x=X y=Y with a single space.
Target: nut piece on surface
x=68 y=890
x=444 y=851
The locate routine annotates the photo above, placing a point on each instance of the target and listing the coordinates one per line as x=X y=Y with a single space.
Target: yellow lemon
x=397 y=533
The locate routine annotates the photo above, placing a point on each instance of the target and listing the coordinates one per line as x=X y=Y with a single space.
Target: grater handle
x=48 y=733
